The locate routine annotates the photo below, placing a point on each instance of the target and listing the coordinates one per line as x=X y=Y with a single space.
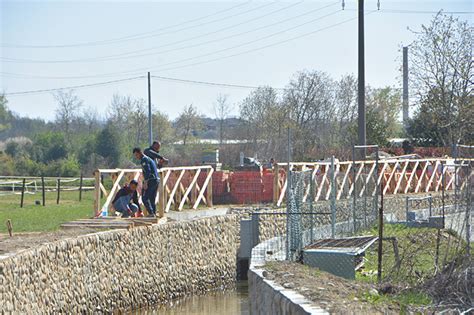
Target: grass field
x=36 y=218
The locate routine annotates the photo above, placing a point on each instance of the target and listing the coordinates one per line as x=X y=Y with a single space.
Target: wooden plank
x=102 y=188
x=201 y=194
x=181 y=205
x=346 y=175
x=313 y=176
x=113 y=191
x=320 y=189
x=402 y=175
x=282 y=193
x=435 y=171
x=366 y=182
x=210 y=202
x=420 y=179
x=175 y=188
x=356 y=177
x=412 y=175
x=387 y=185
x=96 y=193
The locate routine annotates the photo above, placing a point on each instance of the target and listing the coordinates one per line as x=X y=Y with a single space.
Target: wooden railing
x=395 y=176
x=179 y=187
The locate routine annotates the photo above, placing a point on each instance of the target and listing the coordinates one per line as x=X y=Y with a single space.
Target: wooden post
x=22 y=192
x=276 y=186
x=43 y=191
x=102 y=182
x=59 y=191
x=210 y=202
x=80 y=188
x=193 y=189
x=97 y=193
x=161 y=200
x=9 y=227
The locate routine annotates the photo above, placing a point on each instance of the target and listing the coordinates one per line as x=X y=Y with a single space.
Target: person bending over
x=126 y=200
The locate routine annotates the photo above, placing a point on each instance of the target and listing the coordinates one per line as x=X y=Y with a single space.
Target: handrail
x=179 y=186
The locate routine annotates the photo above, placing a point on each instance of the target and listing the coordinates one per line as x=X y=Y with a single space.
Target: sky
x=55 y=44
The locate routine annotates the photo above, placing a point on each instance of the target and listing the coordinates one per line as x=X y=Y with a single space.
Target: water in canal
x=230 y=302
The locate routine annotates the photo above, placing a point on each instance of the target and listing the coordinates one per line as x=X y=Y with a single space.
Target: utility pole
x=361 y=78
x=150 y=134
x=405 y=88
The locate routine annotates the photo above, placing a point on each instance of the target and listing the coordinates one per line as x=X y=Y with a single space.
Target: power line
x=154 y=33
x=262 y=47
x=418 y=11
x=240 y=86
x=72 y=87
x=211 y=53
x=129 y=55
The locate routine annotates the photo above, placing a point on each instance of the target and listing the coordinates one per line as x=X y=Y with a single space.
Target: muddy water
x=231 y=302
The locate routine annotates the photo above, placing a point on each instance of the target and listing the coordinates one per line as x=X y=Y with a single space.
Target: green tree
x=5 y=114
x=108 y=145
x=49 y=146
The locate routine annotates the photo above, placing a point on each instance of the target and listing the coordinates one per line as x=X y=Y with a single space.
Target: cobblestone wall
x=113 y=270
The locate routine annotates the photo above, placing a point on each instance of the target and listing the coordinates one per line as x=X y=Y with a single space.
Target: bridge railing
x=179 y=187
x=396 y=176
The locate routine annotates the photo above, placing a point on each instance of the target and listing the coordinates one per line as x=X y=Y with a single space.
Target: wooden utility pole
x=405 y=88
x=150 y=133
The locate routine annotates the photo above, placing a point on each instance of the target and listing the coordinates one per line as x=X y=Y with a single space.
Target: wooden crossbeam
x=346 y=175
x=190 y=187
x=203 y=189
x=366 y=182
x=430 y=181
x=420 y=179
x=400 y=179
x=173 y=191
x=113 y=191
x=387 y=185
x=412 y=175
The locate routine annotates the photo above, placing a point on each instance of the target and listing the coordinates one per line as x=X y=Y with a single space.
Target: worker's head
x=133 y=185
x=137 y=152
x=156 y=145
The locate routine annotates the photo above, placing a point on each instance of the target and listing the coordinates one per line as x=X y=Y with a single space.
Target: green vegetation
x=403 y=299
x=418 y=254
x=36 y=218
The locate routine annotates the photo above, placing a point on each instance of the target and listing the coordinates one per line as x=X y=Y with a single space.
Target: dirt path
x=21 y=241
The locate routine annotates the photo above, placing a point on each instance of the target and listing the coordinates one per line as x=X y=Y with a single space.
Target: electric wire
x=132 y=54
x=155 y=33
x=202 y=55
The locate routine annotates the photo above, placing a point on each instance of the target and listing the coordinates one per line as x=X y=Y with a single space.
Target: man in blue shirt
x=150 y=181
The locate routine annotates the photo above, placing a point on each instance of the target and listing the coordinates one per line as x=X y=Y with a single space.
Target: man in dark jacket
x=121 y=202
x=150 y=181
x=153 y=152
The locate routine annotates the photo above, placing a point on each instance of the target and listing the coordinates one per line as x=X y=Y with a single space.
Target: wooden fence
x=179 y=187
x=396 y=176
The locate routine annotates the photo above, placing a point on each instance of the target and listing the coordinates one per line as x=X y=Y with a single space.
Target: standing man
x=153 y=152
x=150 y=181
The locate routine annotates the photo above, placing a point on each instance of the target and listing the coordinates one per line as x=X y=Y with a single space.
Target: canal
x=230 y=302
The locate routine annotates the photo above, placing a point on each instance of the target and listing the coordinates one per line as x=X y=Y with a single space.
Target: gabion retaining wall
x=109 y=271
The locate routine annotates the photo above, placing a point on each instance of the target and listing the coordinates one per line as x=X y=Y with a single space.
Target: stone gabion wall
x=115 y=270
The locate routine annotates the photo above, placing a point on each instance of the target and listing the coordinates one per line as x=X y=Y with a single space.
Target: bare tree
x=69 y=106
x=441 y=79
x=188 y=123
x=221 y=112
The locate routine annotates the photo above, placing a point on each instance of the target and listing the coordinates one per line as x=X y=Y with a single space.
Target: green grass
x=417 y=252
x=404 y=299
x=36 y=218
